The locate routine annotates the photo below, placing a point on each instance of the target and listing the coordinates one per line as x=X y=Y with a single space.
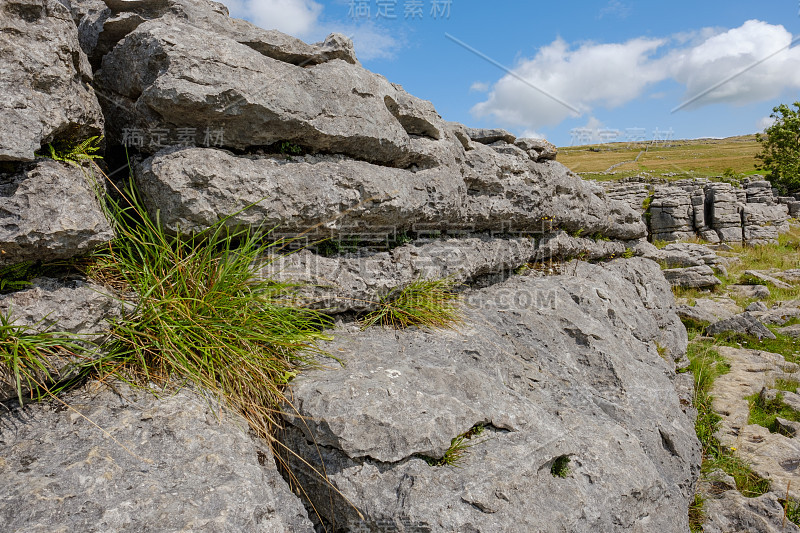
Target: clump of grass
x=765 y=412
x=34 y=361
x=458 y=448
x=560 y=467
x=203 y=315
x=697 y=514
x=427 y=303
x=787 y=385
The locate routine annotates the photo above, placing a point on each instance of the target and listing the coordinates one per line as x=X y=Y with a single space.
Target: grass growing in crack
x=203 y=315
x=765 y=412
x=707 y=365
x=30 y=360
x=787 y=385
x=427 y=303
x=458 y=448
x=697 y=514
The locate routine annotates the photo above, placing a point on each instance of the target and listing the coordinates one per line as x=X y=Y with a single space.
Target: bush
x=780 y=154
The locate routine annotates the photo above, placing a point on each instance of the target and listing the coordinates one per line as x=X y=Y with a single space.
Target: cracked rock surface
x=566 y=366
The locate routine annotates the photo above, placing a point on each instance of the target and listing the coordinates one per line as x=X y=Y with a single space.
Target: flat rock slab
x=743 y=324
x=709 y=309
x=316 y=195
x=45 y=89
x=731 y=512
x=49 y=211
x=697 y=277
x=771 y=455
x=759 y=292
x=768 y=279
x=137 y=463
x=791 y=331
x=566 y=366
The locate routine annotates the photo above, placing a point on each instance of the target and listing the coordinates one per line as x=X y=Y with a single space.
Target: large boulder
x=583 y=428
x=170 y=75
x=195 y=187
x=671 y=215
x=119 y=459
x=50 y=211
x=45 y=87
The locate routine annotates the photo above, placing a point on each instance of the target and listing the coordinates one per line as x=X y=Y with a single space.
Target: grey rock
x=634 y=194
x=49 y=211
x=744 y=324
x=101 y=29
x=128 y=462
x=794 y=209
x=671 y=215
x=195 y=188
x=759 y=292
x=75 y=306
x=763 y=276
x=684 y=255
x=59 y=306
x=355 y=282
x=697 y=277
x=710 y=310
x=561 y=245
x=792 y=275
x=781 y=313
x=45 y=89
x=538 y=149
x=490 y=136
x=763 y=222
x=577 y=375
x=756 y=307
x=733 y=513
x=172 y=75
x=791 y=331
x=725 y=211
x=770 y=455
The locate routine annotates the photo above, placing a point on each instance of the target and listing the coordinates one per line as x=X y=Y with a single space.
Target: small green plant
x=787 y=385
x=30 y=360
x=427 y=303
x=289 y=148
x=458 y=448
x=73 y=153
x=577 y=233
x=560 y=466
x=628 y=253
x=791 y=510
x=16 y=277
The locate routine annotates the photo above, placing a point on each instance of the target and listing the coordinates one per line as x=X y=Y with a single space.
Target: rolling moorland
x=672 y=160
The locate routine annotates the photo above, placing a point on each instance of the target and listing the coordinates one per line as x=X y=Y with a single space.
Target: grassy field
x=678 y=159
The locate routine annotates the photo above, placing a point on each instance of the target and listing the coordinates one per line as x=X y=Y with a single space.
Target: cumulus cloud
x=295 y=17
x=715 y=66
x=764 y=123
x=479 y=87
x=754 y=61
x=561 y=81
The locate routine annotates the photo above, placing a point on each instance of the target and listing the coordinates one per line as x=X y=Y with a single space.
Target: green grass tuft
x=203 y=314
x=765 y=412
x=429 y=303
x=696 y=514
x=30 y=360
x=458 y=448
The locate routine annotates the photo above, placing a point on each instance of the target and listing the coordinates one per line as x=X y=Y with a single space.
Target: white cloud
x=302 y=19
x=479 y=87
x=595 y=75
x=764 y=123
x=295 y=17
x=609 y=75
x=735 y=54
x=615 y=8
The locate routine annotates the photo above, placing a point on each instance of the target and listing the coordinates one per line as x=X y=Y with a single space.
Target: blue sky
x=576 y=71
